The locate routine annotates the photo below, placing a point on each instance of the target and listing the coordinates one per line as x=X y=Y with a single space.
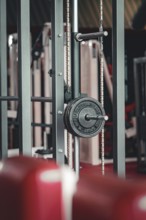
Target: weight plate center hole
x=84 y=122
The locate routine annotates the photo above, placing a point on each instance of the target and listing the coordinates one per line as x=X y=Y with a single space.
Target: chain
x=68 y=74
x=102 y=84
x=68 y=43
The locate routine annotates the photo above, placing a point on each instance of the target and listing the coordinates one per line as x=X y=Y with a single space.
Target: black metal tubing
x=42 y=125
x=118 y=87
x=9 y=98
x=138 y=99
x=33 y=98
x=41 y=99
x=90 y=36
x=136 y=84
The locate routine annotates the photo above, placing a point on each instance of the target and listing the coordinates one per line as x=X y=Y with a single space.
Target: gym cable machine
x=83 y=116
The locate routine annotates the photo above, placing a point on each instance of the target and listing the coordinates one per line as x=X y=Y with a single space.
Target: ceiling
x=88 y=12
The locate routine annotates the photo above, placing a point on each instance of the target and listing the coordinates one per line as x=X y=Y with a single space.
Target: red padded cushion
x=27 y=193
x=106 y=198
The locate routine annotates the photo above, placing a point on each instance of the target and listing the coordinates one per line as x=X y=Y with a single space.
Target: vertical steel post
x=58 y=80
x=75 y=76
x=3 y=80
x=24 y=82
x=75 y=52
x=118 y=87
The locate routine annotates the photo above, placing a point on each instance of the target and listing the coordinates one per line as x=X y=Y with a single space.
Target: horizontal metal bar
x=139 y=60
x=9 y=98
x=43 y=125
x=41 y=99
x=90 y=36
x=33 y=99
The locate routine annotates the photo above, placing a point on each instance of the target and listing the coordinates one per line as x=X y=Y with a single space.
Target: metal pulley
x=84 y=117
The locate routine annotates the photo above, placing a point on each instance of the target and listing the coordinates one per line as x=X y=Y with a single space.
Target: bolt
x=50 y=72
x=59 y=35
x=59 y=74
x=60 y=112
x=60 y=150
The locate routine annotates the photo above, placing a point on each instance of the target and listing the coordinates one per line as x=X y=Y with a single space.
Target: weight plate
x=75 y=117
x=66 y=115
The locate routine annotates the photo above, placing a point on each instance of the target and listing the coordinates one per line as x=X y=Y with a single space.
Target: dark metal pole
x=118 y=88
x=24 y=77
x=3 y=81
x=58 y=80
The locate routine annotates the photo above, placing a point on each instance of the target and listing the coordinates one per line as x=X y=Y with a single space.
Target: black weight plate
x=66 y=115
x=72 y=103
x=77 y=123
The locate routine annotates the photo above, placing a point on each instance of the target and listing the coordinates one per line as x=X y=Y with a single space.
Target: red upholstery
x=27 y=193
x=104 y=198
x=33 y=189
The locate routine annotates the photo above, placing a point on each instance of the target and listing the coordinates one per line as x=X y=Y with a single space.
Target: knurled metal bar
x=58 y=80
x=24 y=82
x=118 y=87
x=3 y=80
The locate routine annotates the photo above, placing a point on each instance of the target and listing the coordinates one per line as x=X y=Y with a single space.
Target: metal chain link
x=102 y=85
x=68 y=74
x=68 y=44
